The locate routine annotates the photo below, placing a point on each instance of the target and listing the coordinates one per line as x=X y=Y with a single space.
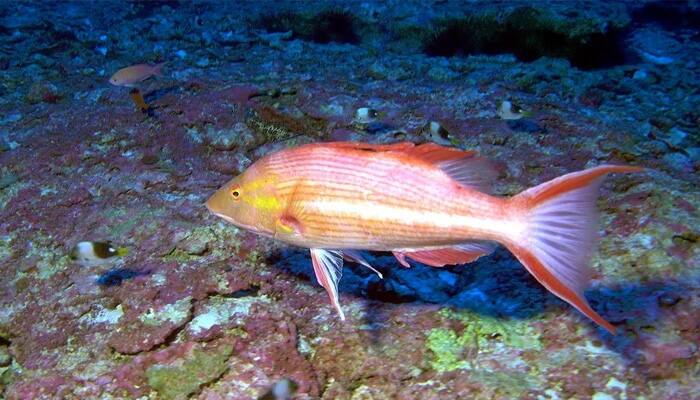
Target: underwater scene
x=350 y=200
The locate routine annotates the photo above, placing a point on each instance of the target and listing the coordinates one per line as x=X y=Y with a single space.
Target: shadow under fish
x=115 y=276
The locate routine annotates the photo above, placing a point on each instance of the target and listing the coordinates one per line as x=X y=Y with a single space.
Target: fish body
x=90 y=253
x=426 y=203
x=131 y=76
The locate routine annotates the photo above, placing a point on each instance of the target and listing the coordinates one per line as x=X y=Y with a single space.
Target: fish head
x=114 y=80
x=249 y=201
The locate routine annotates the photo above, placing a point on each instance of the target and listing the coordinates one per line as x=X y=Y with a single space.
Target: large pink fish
x=426 y=203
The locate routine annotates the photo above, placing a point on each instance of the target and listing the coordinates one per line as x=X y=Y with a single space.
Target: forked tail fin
x=158 y=69
x=561 y=223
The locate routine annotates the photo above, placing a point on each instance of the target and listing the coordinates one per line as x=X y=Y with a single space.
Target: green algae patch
x=448 y=349
x=480 y=334
x=182 y=378
x=175 y=313
x=454 y=352
x=487 y=330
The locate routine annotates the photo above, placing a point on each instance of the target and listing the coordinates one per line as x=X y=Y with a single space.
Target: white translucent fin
x=328 y=266
x=356 y=256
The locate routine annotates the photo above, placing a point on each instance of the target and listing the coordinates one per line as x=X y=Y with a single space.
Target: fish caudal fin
x=158 y=69
x=560 y=233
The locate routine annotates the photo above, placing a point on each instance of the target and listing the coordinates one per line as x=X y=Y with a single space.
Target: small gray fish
x=510 y=111
x=365 y=115
x=283 y=389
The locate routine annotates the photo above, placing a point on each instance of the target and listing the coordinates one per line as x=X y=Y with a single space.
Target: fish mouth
x=234 y=222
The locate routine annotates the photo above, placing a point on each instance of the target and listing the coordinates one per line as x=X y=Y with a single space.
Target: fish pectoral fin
x=356 y=256
x=288 y=225
x=328 y=266
x=459 y=254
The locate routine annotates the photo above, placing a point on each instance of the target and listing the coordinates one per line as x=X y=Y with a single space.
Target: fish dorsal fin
x=435 y=154
x=400 y=146
x=464 y=166
x=471 y=172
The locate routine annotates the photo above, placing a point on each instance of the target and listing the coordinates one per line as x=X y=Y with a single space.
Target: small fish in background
x=283 y=389
x=130 y=76
x=437 y=133
x=365 y=115
x=138 y=99
x=92 y=254
x=510 y=111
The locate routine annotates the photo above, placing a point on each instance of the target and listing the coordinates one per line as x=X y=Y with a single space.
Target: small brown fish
x=130 y=76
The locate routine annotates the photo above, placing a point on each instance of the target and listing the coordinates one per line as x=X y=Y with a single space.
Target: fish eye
x=236 y=193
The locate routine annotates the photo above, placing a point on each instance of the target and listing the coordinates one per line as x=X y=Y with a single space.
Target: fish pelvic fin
x=560 y=234
x=328 y=266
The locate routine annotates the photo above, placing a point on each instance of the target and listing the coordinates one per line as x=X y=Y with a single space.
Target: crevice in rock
x=327 y=26
x=670 y=15
x=250 y=292
x=528 y=35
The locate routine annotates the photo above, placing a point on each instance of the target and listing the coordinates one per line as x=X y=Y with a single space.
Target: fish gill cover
x=201 y=309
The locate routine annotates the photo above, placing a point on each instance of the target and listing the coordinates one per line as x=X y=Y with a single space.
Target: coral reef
x=201 y=309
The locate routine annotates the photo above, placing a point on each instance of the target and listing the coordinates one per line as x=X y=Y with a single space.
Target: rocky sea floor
x=200 y=309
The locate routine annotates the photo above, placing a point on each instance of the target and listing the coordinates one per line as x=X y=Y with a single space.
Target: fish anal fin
x=461 y=254
x=328 y=266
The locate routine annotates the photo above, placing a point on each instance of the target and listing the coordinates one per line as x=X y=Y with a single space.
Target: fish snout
x=216 y=204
